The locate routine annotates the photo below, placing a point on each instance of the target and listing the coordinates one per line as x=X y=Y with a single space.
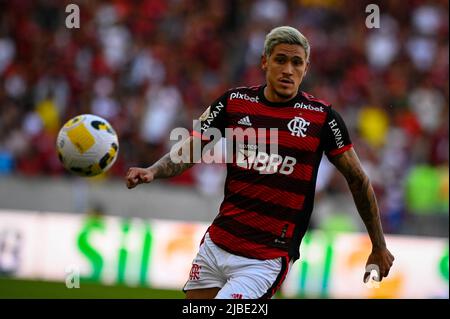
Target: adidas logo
x=245 y=121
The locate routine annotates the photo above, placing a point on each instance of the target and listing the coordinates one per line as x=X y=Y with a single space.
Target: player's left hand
x=383 y=259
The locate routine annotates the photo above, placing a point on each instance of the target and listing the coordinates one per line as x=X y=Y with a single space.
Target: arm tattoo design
x=165 y=168
x=363 y=195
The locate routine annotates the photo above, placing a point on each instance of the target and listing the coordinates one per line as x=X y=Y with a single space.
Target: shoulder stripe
x=341 y=150
x=311 y=98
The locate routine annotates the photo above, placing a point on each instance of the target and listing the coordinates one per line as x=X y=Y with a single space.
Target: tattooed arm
x=172 y=164
x=349 y=165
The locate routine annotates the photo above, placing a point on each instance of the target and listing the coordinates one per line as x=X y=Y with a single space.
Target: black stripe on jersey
x=282 y=182
x=249 y=233
x=269 y=209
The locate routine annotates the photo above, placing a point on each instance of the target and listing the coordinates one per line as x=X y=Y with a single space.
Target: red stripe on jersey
x=256 y=220
x=302 y=172
x=266 y=123
x=287 y=113
x=268 y=194
x=310 y=97
x=340 y=150
x=285 y=139
x=307 y=143
x=238 y=245
x=247 y=88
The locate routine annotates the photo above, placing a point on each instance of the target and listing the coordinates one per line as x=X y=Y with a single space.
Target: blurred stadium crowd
x=149 y=66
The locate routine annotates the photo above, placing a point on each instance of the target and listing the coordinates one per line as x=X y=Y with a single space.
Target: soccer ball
x=87 y=145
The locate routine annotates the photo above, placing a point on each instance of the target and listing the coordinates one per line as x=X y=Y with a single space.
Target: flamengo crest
x=298 y=126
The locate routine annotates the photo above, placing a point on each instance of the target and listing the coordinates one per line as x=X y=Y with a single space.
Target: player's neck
x=272 y=96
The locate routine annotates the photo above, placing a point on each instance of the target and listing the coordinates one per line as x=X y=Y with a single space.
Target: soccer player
x=255 y=238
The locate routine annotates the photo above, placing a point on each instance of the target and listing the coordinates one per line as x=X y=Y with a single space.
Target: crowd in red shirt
x=149 y=66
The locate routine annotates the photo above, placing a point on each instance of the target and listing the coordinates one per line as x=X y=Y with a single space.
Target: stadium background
x=150 y=66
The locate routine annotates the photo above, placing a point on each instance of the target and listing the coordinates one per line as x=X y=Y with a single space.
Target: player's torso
x=280 y=144
x=273 y=154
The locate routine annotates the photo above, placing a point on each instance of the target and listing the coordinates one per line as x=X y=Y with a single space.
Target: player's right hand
x=382 y=259
x=137 y=175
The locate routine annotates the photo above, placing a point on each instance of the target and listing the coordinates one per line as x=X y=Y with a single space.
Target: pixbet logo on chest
x=308 y=107
x=243 y=96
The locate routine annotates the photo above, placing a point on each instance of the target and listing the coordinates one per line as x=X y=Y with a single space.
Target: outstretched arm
x=164 y=167
x=183 y=157
x=349 y=165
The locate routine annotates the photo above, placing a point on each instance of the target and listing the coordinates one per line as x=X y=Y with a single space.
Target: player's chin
x=286 y=92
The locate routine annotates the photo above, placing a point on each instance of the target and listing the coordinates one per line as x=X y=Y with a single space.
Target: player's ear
x=264 y=62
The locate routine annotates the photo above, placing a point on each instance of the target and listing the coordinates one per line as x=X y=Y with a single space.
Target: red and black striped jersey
x=273 y=151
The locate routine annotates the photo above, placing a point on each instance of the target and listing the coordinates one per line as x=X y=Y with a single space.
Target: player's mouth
x=286 y=82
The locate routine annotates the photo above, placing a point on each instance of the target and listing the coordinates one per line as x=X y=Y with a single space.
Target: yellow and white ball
x=87 y=145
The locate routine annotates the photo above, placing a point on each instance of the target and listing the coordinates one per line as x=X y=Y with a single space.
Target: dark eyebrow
x=282 y=55
x=297 y=57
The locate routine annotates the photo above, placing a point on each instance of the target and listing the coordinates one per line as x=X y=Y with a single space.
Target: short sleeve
x=336 y=139
x=213 y=118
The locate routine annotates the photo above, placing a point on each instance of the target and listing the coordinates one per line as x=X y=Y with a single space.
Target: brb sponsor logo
x=250 y=158
x=243 y=96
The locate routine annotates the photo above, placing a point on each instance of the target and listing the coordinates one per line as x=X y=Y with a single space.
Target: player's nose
x=288 y=69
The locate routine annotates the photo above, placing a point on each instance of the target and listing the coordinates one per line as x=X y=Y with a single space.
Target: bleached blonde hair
x=287 y=35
